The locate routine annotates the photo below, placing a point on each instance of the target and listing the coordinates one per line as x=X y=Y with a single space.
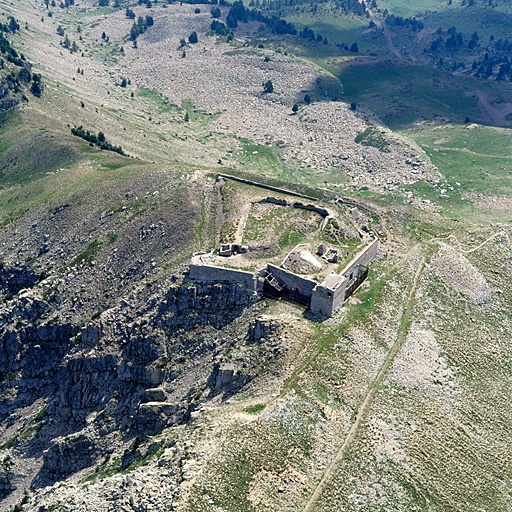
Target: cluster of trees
x=348 y=6
x=453 y=41
x=219 y=28
x=497 y=66
x=98 y=140
x=240 y=13
x=11 y=27
x=501 y=45
x=64 y=4
x=397 y=21
x=16 y=78
x=494 y=61
x=68 y=44
x=10 y=53
x=354 y=47
x=140 y=27
x=147 y=3
x=307 y=33
x=192 y=39
x=37 y=87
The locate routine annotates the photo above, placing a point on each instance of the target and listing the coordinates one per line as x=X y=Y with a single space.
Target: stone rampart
x=214 y=274
x=312 y=208
x=273 y=200
x=296 y=287
x=266 y=187
x=362 y=259
x=301 y=206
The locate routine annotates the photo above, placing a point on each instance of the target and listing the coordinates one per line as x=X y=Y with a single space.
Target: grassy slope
x=451 y=463
x=424 y=445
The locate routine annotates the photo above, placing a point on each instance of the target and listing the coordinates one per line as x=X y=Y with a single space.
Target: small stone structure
x=231 y=249
x=323 y=299
x=331 y=256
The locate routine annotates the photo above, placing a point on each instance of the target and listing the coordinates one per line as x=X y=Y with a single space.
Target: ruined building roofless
x=323 y=299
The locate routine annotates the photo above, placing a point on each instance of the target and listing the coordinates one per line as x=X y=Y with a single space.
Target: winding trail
x=479 y=246
x=466 y=150
x=388 y=36
x=361 y=414
x=498 y=115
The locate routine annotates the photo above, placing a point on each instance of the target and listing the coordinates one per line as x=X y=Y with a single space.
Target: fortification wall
x=301 y=206
x=297 y=288
x=273 y=200
x=266 y=187
x=312 y=208
x=361 y=259
x=211 y=273
x=325 y=302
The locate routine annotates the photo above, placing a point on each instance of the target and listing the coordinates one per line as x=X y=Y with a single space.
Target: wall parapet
x=265 y=187
x=324 y=299
x=212 y=273
x=362 y=259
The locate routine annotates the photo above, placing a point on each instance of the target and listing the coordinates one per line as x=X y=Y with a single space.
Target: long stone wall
x=266 y=187
x=361 y=259
x=297 y=288
x=312 y=208
x=213 y=274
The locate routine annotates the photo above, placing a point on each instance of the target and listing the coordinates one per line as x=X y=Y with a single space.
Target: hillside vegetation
x=123 y=385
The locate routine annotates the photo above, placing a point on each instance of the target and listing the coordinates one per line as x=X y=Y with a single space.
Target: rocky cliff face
x=76 y=394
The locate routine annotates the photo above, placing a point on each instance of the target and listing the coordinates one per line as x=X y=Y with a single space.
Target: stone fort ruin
x=323 y=299
x=302 y=277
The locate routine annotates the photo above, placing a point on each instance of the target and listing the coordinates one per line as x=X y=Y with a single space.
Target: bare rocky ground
x=490 y=202
x=218 y=79
x=225 y=82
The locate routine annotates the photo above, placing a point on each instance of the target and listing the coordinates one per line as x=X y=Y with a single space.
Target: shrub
x=268 y=86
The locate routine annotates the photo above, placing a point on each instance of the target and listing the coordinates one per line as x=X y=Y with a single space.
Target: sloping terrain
x=123 y=386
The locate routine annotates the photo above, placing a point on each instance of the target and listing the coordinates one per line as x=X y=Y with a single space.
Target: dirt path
x=388 y=36
x=479 y=246
x=361 y=414
x=244 y=215
x=466 y=150
x=498 y=115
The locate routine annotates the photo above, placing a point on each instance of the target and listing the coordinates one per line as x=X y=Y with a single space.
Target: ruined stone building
x=323 y=299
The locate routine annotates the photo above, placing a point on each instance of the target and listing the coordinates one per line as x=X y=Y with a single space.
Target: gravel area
x=456 y=271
